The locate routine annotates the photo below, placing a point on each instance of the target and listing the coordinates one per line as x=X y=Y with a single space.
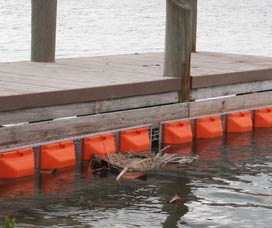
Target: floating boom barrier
x=21 y=162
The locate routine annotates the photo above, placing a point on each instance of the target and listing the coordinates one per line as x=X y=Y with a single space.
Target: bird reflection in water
x=175 y=207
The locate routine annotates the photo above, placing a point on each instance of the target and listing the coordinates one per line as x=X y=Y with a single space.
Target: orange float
x=19 y=163
x=209 y=127
x=100 y=145
x=135 y=140
x=177 y=132
x=239 y=122
x=57 y=155
x=263 y=117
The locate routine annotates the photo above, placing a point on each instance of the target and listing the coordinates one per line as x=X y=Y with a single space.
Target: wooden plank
x=95 y=76
x=46 y=113
x=230 y=104
x=136 y=102
x=44 y=82
x=214 y=69
x=250 y=87
x=56 y=130
x=62 y=97
x=231 y=78
x=144 y=67
x=139 y=58
x=53 y=112
x=248 y=62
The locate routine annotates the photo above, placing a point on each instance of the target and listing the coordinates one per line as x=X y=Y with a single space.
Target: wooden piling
x=178 y=43
x=194 y=24
x=43 y=30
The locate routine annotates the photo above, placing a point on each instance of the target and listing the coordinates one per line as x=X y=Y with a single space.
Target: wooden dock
x=69 y=81
x=86 y=95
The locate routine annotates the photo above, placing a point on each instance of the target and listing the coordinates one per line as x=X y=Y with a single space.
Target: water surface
x=229 y=185
x=106 y=27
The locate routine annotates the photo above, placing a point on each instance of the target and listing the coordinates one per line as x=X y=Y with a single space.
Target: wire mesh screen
x=78 y=151
x=36 y=151
x=117 y=140
x=155 y=134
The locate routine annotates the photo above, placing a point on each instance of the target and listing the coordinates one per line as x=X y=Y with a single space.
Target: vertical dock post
x=178 y=44
x=43 y=30
x=194 y=24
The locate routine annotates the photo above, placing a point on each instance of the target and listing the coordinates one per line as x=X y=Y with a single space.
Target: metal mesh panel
x=78 y=151
x=155 y=134
x=117 y=140
x=36 y=150
x=223 y=119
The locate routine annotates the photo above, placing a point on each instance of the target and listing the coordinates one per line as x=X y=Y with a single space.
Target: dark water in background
x=229 y=185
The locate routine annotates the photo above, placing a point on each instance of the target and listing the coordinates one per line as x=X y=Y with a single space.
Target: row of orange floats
x=179 y=132
x=20 y=163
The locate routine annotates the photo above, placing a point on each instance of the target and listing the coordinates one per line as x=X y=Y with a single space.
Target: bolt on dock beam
x=178 y=44
x=43 y=30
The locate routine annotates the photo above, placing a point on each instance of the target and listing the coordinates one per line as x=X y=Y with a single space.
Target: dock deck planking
x=86 y=79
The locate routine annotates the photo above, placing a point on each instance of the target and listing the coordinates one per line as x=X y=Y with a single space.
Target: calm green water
x=229 y=185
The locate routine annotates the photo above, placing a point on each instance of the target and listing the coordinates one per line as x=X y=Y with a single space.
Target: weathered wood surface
x=43 y=30
x=178 y=44
x=60 y=129
x=215 y=69
x=80 y=109
x=18 y=136
x=62 y=97
x=231 y=78
x=226 y=90
x=230 y=104
x=76 y=80
x=194 y=25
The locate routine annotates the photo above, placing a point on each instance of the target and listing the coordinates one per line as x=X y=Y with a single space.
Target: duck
x=98 y=166
x=176 y=198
